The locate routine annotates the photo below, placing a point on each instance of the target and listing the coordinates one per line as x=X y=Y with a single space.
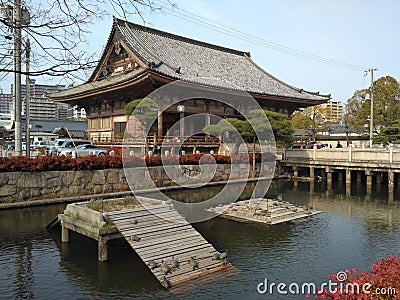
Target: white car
x=83 y=150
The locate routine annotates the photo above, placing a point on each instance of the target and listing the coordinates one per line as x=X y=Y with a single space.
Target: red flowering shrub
x=63 y=163
x=131 y=161
x=383 y=282
x=241 y=158
x=58 y=163
x=222 y=159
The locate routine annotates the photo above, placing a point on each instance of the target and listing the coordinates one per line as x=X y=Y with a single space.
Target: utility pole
x=28 y=99
x=17 y=76
x=371 y=116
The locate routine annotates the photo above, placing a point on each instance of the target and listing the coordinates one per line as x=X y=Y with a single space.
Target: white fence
x=375 y=155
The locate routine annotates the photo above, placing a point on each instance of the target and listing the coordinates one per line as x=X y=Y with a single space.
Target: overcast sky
x=361 y=33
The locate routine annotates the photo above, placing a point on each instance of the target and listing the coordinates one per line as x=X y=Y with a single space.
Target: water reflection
x=357 y=228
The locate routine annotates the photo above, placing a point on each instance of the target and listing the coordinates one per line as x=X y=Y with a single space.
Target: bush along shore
x=63 y=163
x=24 y=179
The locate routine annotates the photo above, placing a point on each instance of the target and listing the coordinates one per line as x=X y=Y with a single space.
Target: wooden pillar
x=369 y=181
x=295 y=183
x=348 y=176
x=323 y=173
x=182 y=125
x=391 y=195
x=369 y=178
x=391 y=183
x=160 y=129
x=295 y=173
x=359 y=176
x=102 y=251
x=390 y=178
x=328 y=172
x=340 y=175
x=208 y=117
x=329 y=177
x=378 y=188
x=348 y=189
x=378 y=178
x=312 y=187
x=64 y=233
x=312 y=175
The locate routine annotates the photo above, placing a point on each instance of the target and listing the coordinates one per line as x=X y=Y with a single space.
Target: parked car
x=53 y=148
x=318 y=145
x=327 y=145
x=9 y=145
x=54 y=145
x=69 y=145
x=38 y=144
x=83 y=150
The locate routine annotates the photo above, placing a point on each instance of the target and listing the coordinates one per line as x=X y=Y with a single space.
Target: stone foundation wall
x=26 y=186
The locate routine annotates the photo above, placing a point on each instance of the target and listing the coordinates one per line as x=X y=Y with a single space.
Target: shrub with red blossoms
x=383 y=282
x=63 y=163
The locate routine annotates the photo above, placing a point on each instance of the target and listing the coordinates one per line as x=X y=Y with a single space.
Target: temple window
x=93 y=123
x=105 y=122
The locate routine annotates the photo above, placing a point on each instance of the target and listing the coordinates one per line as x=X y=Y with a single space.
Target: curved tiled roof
x=202 y=62
x=190 y=60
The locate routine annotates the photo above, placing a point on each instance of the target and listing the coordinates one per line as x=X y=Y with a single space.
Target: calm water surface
x=356 y=229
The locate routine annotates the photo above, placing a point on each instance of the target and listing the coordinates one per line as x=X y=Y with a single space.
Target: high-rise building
x=5 y=102
x=40 y=107
x=334 y=111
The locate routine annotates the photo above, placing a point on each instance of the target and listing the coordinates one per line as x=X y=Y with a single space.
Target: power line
x=210 y=24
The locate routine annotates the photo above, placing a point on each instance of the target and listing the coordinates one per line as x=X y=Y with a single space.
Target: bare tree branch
x=58 y=32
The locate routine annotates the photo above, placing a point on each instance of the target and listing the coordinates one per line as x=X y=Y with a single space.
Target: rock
x=8 y=190
x=98 y=189
x=3 y=179
x=112 y=177
x=98 y=177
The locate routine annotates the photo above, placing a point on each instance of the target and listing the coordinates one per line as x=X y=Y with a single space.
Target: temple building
x=138 y=60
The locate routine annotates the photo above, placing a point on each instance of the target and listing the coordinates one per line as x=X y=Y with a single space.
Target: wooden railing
x=367 y=155
x=166 y=140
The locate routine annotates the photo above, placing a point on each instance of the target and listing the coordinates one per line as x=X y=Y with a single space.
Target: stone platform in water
x=264 y=211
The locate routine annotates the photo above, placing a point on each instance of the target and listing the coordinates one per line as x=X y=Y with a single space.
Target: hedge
x=63 y=163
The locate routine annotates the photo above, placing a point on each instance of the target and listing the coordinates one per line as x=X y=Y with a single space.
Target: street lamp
x=181 y=110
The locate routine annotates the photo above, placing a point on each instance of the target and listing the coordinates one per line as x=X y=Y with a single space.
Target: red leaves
x=58 y=163
x=63 y=163
x=381 y=283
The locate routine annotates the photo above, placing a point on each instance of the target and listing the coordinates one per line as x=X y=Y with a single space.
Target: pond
x=356 y=229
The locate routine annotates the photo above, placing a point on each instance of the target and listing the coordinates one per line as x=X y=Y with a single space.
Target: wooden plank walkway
x=156 y=238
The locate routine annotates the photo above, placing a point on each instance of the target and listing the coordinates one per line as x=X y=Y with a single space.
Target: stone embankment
x=27 y=186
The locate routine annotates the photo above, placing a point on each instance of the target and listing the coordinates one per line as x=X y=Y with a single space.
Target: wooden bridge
x=352 y=164
x=170 y=247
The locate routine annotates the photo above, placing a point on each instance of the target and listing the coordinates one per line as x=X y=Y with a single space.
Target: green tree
x=279 y=127
x=386 y=92
x=145 y=110
x=237 y=130
x=389 y=134
x=312 y=119
x=386 y=96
